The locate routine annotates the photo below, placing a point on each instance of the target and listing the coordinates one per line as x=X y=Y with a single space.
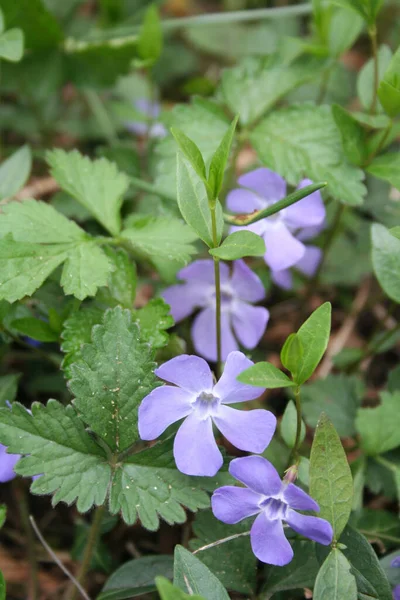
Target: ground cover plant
x=199 y=289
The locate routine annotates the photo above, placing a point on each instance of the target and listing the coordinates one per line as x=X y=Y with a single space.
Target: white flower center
x=274 y=508
x=206 y=404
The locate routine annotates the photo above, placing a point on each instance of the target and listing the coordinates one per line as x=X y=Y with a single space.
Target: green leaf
x=41 y=29
x=303 y=141
x=153 y=319
x=389 y=88
x=344 y=28
x=386 y=167
x=14 y=172
x=86 y=269
x=257 y=83
x=331 y=483
x=193 y=203
x=339 y=396
x=77 y=330
x=220 y=160
x=25 y=266
x=314 y=337
x=352 y=134
x=191 y=153
x=289 y=426
x=136 y=577
x=12 y=45
x=299 y=573
x=385 y=260
x=377 y=525
x=264 y=374
x=378 y=429
x=2 y=587
x=367 y=9
x=292 y=354
x=3 y=514
x=335 y=580
x=113 y=376
x=163 y=237
x=150 y=42
x=191 y=575
x=232 y=562
x=239 y=244
x=97 y=185
x=8 y=388
x=35 y=329
x=168 y=591
x=122 y=280
x=366 y=78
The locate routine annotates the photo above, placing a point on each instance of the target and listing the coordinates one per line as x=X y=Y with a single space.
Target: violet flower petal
x=269 y=542
x=310 y=232
x=232 y=504
x=265 y=183
x=297 y=499
x=249 y=430
x=308 y=264
x=184 y=299
x=396 y=592
x=244 y=201
x=228 y=389
x=7 y=464
x=395 y=562
x=202 y=271
x=162 y=407
x=205 y=338
x=189 y=372
x=249 y=323
x=283 y=249
x=283 y=279
x=195 y=449
x=246 y=284
x=313 y=528
x=308 y=212
x=257 y=473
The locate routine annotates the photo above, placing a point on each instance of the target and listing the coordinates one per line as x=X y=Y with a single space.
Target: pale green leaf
x=352 y=134
x=344 y=28
x=12 y=45
x=366 y=77
x=220 y=160
x=389 y=88
x=238 y=245
x=113 y=376
x=86 y=269
x=331 y=483
x=292 y=354
x=14 y=172
x=191 y=575
x=303 y=141
x=379 y=432
x=168 y=591
x=122 y=280
x=288 y=427
x=150 y=42
x=97 y=185
x=386 y=260
x=367 y=9
x=8 y=388
x=264 y=374
x=387 y=167
x=314 y=337
x=335 y=580
x=191 y=153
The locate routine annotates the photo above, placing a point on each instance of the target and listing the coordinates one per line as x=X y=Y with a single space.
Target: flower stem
x=222 y=541
x=22 y=501
x=374 y=46
x=294 y=456
x=94 y=533
x=217 y=287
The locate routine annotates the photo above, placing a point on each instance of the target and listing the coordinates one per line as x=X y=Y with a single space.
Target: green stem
x=374 y=45
x=217 y=287
x=93 y=537
x=294 y=455
x=22 y=501
x=324 y=85
x=103 y=118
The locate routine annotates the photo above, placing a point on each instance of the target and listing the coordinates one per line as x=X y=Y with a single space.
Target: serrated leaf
x=113 y=376
x=352 y=134
x=168 y=591
x=97 y=185
x=12 y=45
x=264 y=374
x=193 y=203
x=163 y=237
x=191 y=153
x=331 y=483
x=377 y=428
x=14 y=172
x=149 y=44
x=220 y=159
x=366 y=77
x=77 y=330
x=190 y=572
x=303 y=140
x=238 y=245
x=386 y=167
x=153 y=320
x=257 y=83
x=232 y=562
x=385 y=260
x=389 y=87
x=288 y=426
x=122 y=280
x=299 y=573
x=136 y=577
x=314 y=337
x=35 y=328
x=86 y=269
x=335 y=580
x=8 y=388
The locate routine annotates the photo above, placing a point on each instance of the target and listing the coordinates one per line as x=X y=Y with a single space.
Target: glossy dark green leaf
x=192 y=576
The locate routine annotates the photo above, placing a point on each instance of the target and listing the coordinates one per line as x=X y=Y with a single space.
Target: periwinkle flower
x=201 y=402
x=262 y=188
x=7 y=464
x=239 y=318
x=273 y=501
x=396 y=590
x=149 y=126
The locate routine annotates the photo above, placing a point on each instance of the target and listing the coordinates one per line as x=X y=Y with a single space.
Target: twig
x=35 y=189
x=57 y=560
x=222 y=541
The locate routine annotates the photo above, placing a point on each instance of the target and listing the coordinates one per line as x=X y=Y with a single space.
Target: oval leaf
x=264 y=374
x=334 y=580
x=192 y=576
x=386 y=260
x=240 y=244
x=314 y=337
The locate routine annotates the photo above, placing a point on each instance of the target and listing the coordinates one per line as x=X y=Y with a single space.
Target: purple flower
x=238 y=317
x=201 y=403
x=396 y=590
x=149 y=126
x=263 y=187
x=7 y=464
x=273 y=501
